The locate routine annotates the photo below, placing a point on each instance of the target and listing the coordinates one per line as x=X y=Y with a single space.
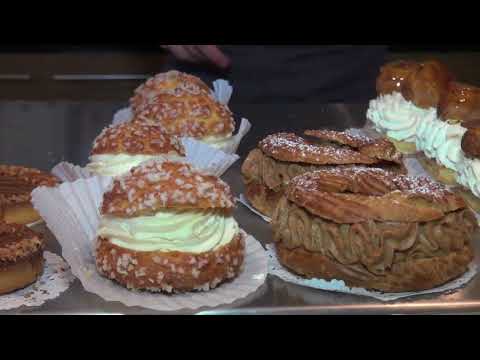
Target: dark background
x=43 y=71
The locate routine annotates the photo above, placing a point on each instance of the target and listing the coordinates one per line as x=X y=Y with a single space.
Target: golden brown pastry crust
x=265 y=176
x=18 y=242
x=16 y=185
x=196 y=116
x=20 y=274
x=471 y=200
x=171 y=82
x=394 y=255
x=413 y=275
x=21 y=256
x=289 y=147
x=170 y=271
x=17 y=182
x=136 y=138
x=358 y=195
x=393 y=75
x=439 y=172
x=461 y=103
x=380 y=149
x=262 y=198
x=154 y=186
x=428 y=85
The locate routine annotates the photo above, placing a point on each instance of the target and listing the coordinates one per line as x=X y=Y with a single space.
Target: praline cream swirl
x=171 y=230
x=396 y=117
x=117 y=164
x=441 y=141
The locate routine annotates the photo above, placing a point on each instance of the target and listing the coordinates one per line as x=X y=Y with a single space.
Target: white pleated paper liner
x=56 y=278
x=222 y=91
x=71 y=213
x=231 y=146
x=207 y=158
x=68 y=172
x=275 y=268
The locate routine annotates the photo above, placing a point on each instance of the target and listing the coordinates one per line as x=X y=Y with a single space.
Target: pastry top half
x=171 y=82
x=120 y=148
x=18 y=242
x=360 y=195
x=136 y=139
x=336 y=148
x=154 y=186
x=198 y=116
x=17 y=183
x=426 y=86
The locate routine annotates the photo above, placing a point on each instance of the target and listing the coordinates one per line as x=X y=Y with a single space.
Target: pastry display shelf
x=41 y=134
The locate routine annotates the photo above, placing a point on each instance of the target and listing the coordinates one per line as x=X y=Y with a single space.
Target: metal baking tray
x=43 y=134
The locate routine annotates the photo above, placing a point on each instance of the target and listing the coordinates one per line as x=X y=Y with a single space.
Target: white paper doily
x=275 y=268
x=56 y=278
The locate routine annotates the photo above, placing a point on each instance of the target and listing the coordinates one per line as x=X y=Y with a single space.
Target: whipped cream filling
x=171 y=230
x=217 y=142
x=468 y=175
x=441 y=141
x=118 y=164
x=396 y=117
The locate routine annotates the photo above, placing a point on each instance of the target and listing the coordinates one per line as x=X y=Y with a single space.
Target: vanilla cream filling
x=396 y=117
x=171 y=230
x=217 y=142
x=118 y=164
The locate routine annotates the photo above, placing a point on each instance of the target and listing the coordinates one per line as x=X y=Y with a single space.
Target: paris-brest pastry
x=408 y=93
x=374 y=230
x=121 y=147
x=183 y=106
x=166 y=227
x=16 y=185
x=280 y=157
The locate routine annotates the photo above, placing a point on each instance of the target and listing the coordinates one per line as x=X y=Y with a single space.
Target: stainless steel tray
x=42 y=134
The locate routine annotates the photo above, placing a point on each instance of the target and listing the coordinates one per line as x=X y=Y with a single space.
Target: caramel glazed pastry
x=408 y=94
x=21 y=257
x=16 y=185
x=441 y=133
x=280 y=157
x=374 y=230
x=119 y=148
x=183 y=106
x=448 y=143
x=166 y=227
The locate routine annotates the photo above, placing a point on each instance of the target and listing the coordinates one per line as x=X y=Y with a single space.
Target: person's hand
x=206 y=54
